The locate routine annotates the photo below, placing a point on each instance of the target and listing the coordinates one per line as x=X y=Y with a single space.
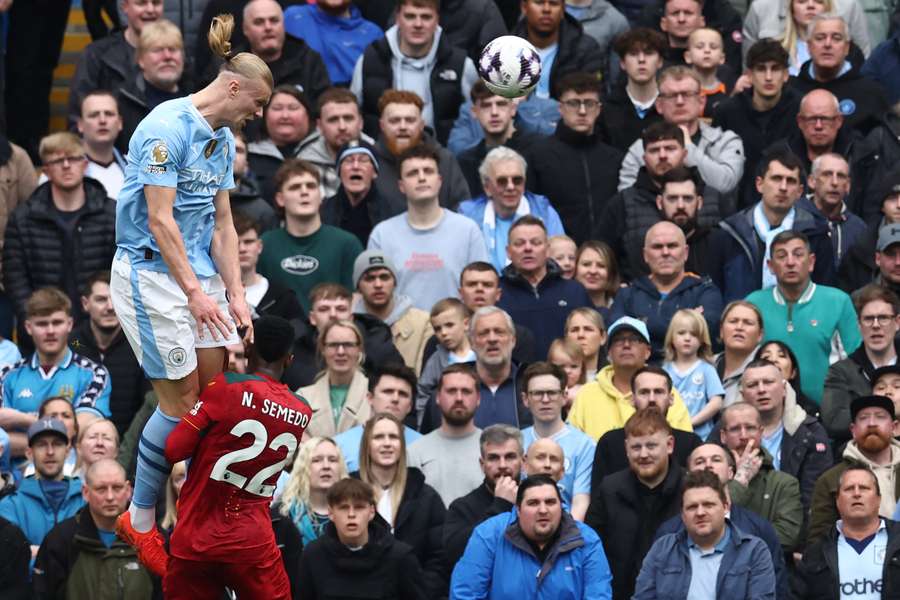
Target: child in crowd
x=450 y=321
x=689 y=363
x=562 y=249
x=567 y=354
x=706 y=55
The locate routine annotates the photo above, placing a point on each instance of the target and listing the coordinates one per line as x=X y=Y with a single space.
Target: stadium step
x=77 y=37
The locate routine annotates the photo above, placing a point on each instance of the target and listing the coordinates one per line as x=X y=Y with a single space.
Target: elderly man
x=627 y=509
x=668 y=288
x=534 y=292
x=806 y=316
x=744 y=248
x=650 y=386
x=877 y=317
x=290 y=59
x=543 y=386
x=401 y=126
x=501 y=463
x=632 y=211
x=757 y=485
x=339 y=123
x=543 y=539
x=606 y=403
x=862 y=100
x=714 y=458
x=872 y=424
x=796 y=441
x=864 y=544
x=709 y=545
x=415 y=56
x=504 y=201
x=77 y=552
x=718 y=154
x=829 y=184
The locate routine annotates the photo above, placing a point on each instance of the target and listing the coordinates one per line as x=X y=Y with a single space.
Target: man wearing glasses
x=575 y=168
x=64 y=233
x=543 y=384
x=505 y=200
x=718 y=154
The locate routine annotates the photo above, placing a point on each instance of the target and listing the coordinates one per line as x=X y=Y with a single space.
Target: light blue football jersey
x=174 y=146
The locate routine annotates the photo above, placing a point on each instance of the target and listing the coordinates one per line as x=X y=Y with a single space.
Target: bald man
x=545 y=457
x=668 y=288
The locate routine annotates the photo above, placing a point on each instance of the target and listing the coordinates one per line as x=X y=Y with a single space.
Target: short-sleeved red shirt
x=240 y=435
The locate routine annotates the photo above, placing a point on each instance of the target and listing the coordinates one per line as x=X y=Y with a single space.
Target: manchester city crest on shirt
x=210 y=148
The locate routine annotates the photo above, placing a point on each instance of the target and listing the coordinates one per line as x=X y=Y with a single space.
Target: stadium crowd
x=634 y=335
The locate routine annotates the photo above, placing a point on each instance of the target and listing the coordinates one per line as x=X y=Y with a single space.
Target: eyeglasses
x=870 y=320
x=504 y=181
x=549 y=394
x=338 y=345
x=579 y=104
x=58 y=162
x=813 y=119
x=675 y=95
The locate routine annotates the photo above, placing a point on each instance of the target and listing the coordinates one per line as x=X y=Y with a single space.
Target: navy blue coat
x=883 y=65
x=542 y=309
x=643 y=301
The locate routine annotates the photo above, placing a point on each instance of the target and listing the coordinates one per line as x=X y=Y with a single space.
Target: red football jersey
x=240 y=435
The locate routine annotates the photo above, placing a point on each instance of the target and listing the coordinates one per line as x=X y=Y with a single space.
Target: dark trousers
x=94 y=19
x=36 y=31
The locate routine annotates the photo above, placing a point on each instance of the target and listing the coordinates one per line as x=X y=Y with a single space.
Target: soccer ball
x=510 y=66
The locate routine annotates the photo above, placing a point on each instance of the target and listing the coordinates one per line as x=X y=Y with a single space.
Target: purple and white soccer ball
x=510 y=66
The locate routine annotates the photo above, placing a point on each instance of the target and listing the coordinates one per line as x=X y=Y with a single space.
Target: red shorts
x=196 y=580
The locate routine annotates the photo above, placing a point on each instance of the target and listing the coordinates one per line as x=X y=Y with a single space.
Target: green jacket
x=775 y=496
x=73 y=564
x=846 y=379
x=128 y=447
x=823 y=506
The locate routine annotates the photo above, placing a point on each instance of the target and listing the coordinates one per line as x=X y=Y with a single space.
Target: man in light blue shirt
x=391 y=390
x=543 y=385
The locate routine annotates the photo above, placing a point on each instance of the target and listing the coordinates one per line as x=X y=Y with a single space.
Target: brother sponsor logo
x=860 y=587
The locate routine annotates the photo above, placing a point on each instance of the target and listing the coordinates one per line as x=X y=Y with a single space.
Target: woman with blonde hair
x=585 y=327
x=99 y=439
x=413 y=509
x=319 y=464
x=597 y=270
x=338 y=395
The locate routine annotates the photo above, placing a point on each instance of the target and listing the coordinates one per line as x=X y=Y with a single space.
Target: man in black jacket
x=99 y=337
x=762 y=114
x=501 y=462
x=15 y=561
x=630 y=505
x=64 y=233
x=575 y=168
x=357 y=556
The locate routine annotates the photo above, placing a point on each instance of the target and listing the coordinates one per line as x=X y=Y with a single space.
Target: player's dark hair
x=422 y=151
x=533 y=481
x=767 y=50
x=46 y=301
x=350 y=489
x=273 y=338
x=661 y=131
x=244 y=223
x=580 y=83
x=98 y=277
x=398 y=370
x=640 y=38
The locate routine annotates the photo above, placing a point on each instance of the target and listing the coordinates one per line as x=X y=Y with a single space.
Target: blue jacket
x=499 y=564
x=745 y=572
x=747 y=521
x=883 y=65
x=339 y=40
x=844 y=232
x=534 y=115
x=643 y=301
x=539 y=206
x=741 y=253
x=542 y=309
x=29 y=509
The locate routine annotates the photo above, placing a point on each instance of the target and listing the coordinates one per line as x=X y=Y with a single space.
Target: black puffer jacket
x=36 y=252
x=872 y=159
x=106 y=64
x=858 y=267
x=471 y=24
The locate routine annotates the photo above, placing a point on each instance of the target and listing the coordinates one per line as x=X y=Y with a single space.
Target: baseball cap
x=47 y=426
x=887 y=236
x=355 y=147
x=882 y=371
x=371 y=259
x=887 y=184
x=869 y=401
x=631 y=323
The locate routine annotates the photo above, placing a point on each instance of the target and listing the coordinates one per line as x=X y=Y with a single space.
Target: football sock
x=152 y=469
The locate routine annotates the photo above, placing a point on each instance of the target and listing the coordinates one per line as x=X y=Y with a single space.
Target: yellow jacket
x=600 y=407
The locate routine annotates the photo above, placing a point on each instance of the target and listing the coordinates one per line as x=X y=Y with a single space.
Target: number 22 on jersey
x=220 y=471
